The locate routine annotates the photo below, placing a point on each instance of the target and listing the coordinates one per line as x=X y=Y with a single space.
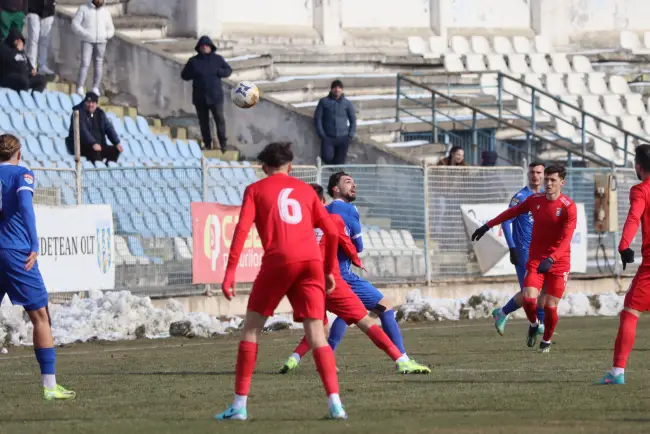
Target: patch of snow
x=413 y=119
x=244 y=57
x=382 y=97
x=161 y=41
x=312 y=77
x=410 y=144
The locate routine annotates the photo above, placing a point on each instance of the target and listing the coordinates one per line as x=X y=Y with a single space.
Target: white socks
x=618 y=371
x=402 y=358
x=333 y=399
x=296 y=356
x=49 y=381
x=240 y=402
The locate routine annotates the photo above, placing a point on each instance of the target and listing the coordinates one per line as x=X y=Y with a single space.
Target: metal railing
x=414 y=230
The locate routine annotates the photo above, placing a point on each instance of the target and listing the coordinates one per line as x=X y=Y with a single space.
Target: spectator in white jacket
x=94 y=24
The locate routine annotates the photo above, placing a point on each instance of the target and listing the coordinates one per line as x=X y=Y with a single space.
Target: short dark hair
x=276 y=154
x=556 y=168
x=642 y=157
x=536 y=163
x=334 y=181
x=320 y=192
x=336 y=83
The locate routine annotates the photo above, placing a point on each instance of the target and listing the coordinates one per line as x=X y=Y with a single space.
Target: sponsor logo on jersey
x=29 y=179
x=514 y=201
x=558 y=212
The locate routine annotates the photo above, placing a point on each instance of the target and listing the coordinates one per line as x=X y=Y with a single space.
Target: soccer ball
x=245 y=95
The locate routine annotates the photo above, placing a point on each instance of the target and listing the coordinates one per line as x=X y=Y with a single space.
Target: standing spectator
x=94 y=127
x=336 y=124
x=489 y=158
x=94 y=25
x=12 y=15
x=15 y=70
x=456 y=157
x=39 y=33
x=205 y=71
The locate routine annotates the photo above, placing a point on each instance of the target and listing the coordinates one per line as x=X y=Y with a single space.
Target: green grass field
x=481 y=383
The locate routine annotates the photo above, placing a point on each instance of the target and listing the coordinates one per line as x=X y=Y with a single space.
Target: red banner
x=213 y=226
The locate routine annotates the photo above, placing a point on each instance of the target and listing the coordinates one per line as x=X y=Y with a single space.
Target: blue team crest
x=104 y=251
x=558 y=212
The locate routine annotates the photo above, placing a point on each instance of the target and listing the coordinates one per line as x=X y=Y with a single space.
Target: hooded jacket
x=205 y=71
x=42 y=8
x=335 y=117
x=14 y=5
x=86 y=129
x=13 y=61
x=92 y=24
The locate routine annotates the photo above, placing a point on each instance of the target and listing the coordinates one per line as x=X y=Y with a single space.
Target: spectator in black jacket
x=206 y=70
x=12 y=15
x=15 y=70
x=94 y=128
x=39 y=33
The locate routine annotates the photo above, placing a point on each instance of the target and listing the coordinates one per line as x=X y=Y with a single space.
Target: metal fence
x=406 y=211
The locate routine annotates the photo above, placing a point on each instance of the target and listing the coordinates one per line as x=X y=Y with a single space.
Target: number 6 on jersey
x=290 y=211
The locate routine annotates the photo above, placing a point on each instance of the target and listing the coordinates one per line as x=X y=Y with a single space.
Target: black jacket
x=13 y=61
x=206 y=71
x=86 y=128
x=14 y=5
x=42 y=8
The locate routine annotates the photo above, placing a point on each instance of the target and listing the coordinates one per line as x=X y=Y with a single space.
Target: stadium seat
x=15 y=101
x=40 y=100
x=490 y=85
x=517 y=64
x=561 y=63
x=18 y=122
x=28 y=100
x=417 y=46
x=634 y=104
x=582 y=65
x=58 y=125
x=608 y=130
x=630 y=41
x=555 y=85
x=55 y=104
x=502 y=45
x=619 y=85
x=496 y=62
x=475 y=63
x=220 y=196
x=567 y=111
x=239 y=175
x=118 y=125
x=30 y=124
x=524 y=108
x=613 y=105
x=44 y=124
x=438 y=47
x=124 y=249
x=568 y=132
x=460 y=45
x=195 y=149
x=233 y=196
x=147 y=148
x=4 y=100
x=591 y=104
x=539 y=64
x=183 y=148
x=632 y=125
x=158 y=148
x=454 y=63
x=33 y=146
x=533 y=80
x=143 y=126
x=597 y=85
x=512 y=87
x=576 y=84
x=548 y=106
x=250 y=173
x=543 y=45
x=131 y=127
x=5 y=123
x=375 y=240
x=181 y=252
x=480 y=45
x=172 y=199
x=522 y=45
x=48 y=148
x=66 y=103
x=171 y=148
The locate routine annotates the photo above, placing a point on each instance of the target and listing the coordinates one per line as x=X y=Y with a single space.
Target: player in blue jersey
x=20 y=278
x=518 y=234
x=343 y=190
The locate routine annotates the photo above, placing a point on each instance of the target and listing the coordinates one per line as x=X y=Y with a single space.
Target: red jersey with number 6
x=285 y=211
x=554 y=222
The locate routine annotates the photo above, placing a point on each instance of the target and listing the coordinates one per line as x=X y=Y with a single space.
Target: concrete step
x=141 y=27
x=116 y=7
x=224 y=156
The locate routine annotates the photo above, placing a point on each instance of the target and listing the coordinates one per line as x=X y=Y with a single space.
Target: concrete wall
x=191 y=18
x=489 y=14
x=383 y=13
x=275 y=12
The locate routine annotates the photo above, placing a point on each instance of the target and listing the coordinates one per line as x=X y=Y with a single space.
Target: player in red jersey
x=637 y=299
x=345 y=304
x=549 y=261
x=285 y=211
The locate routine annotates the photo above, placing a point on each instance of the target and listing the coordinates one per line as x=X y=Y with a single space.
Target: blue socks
x=389 y=324
x=336 y=333
x=510 y=306
x=540 y=314
x=46 y=358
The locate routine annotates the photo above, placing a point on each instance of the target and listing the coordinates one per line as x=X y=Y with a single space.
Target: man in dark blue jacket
x=94 y=128
x=336 y=124
x=206 y=70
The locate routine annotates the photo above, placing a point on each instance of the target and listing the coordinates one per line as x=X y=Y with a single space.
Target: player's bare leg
x=46 y=355
x=325 y=364
x=550 y=321
x=246 y=360
x=624 y=343
x=529 y=303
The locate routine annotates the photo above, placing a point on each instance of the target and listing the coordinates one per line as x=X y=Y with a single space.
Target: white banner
x=492 y=251
x=76 y=247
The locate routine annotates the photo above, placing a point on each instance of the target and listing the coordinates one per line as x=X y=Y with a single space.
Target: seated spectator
x=456 y=157
x=94 y=128
x=16 y=72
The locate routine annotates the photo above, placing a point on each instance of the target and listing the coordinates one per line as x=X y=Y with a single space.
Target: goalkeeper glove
x=545 y=265
x=514 y=257
x=478 y=234
x=627 y=257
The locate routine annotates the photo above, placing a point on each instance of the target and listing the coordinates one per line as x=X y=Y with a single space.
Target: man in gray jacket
x=336 y=124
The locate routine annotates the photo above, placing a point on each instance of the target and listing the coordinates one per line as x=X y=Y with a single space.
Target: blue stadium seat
x=108 y=195
x=140 y=225
x=183 y=197
x=165 y=225
x=58 y=125
x=28 y=100
x=66 y=120
x=157 y=179
x=152 y=223
x=5 y=123
x=61 y=149
x=85 y=197
x=233 y=196
x=241 y=189
x=171 y=149
x=68 y=196
x=183 y=148
x=143 y=126
x=42 y=180
x=159 y=148
x=195 y=149
x=44 y=124
x=147 y=148
x=66 y=164
x=172 y=199
x=250 y=172
x=112 y=165
x=95 y=195
x=216 y=175
x=124 y=224
x=220 y=196
x=132 y=127
x=41 y=101
x=66 y=102
x=121 y=197
x=118 y=125
x=192 y=162
x=239 y=172
x=85 y=164
x=195 y=196
x=48 y=148
x=30 y=124
x=76 y=98
x=4 y=101
x=228 y=173
x=178 y=224
x=34 y=147
x=18 y=122
x=169 y=177
x=54 y=103
x=136 y=148
x=16 y=101
x=134 y=196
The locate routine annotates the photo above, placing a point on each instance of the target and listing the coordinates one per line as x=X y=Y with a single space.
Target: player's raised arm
x=508 y=214
x=244 y=225
x=568 y=228
x=356 y=234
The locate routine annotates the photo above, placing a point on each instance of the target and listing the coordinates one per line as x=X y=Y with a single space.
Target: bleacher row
x=151 y=186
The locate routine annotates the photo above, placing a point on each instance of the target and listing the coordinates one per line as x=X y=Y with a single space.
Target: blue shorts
x=368 y=294
x=521 y=267
x=24 y=288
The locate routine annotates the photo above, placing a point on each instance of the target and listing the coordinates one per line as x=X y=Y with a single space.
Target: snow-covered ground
x=117 y=315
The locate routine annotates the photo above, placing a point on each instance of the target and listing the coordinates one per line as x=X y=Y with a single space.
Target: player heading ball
x=549 y=261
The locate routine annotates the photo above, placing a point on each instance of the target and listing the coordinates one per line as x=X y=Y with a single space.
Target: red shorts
x=345 y=304
x=553 y=283
x=302 y=282
x=638 y=296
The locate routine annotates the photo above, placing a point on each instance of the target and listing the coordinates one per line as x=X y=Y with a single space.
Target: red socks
x=246 y=359
x=550 y=321
x=625 y=338
x=326 y=366
x=530 y=307
x=302 y=348
x=383 y=342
